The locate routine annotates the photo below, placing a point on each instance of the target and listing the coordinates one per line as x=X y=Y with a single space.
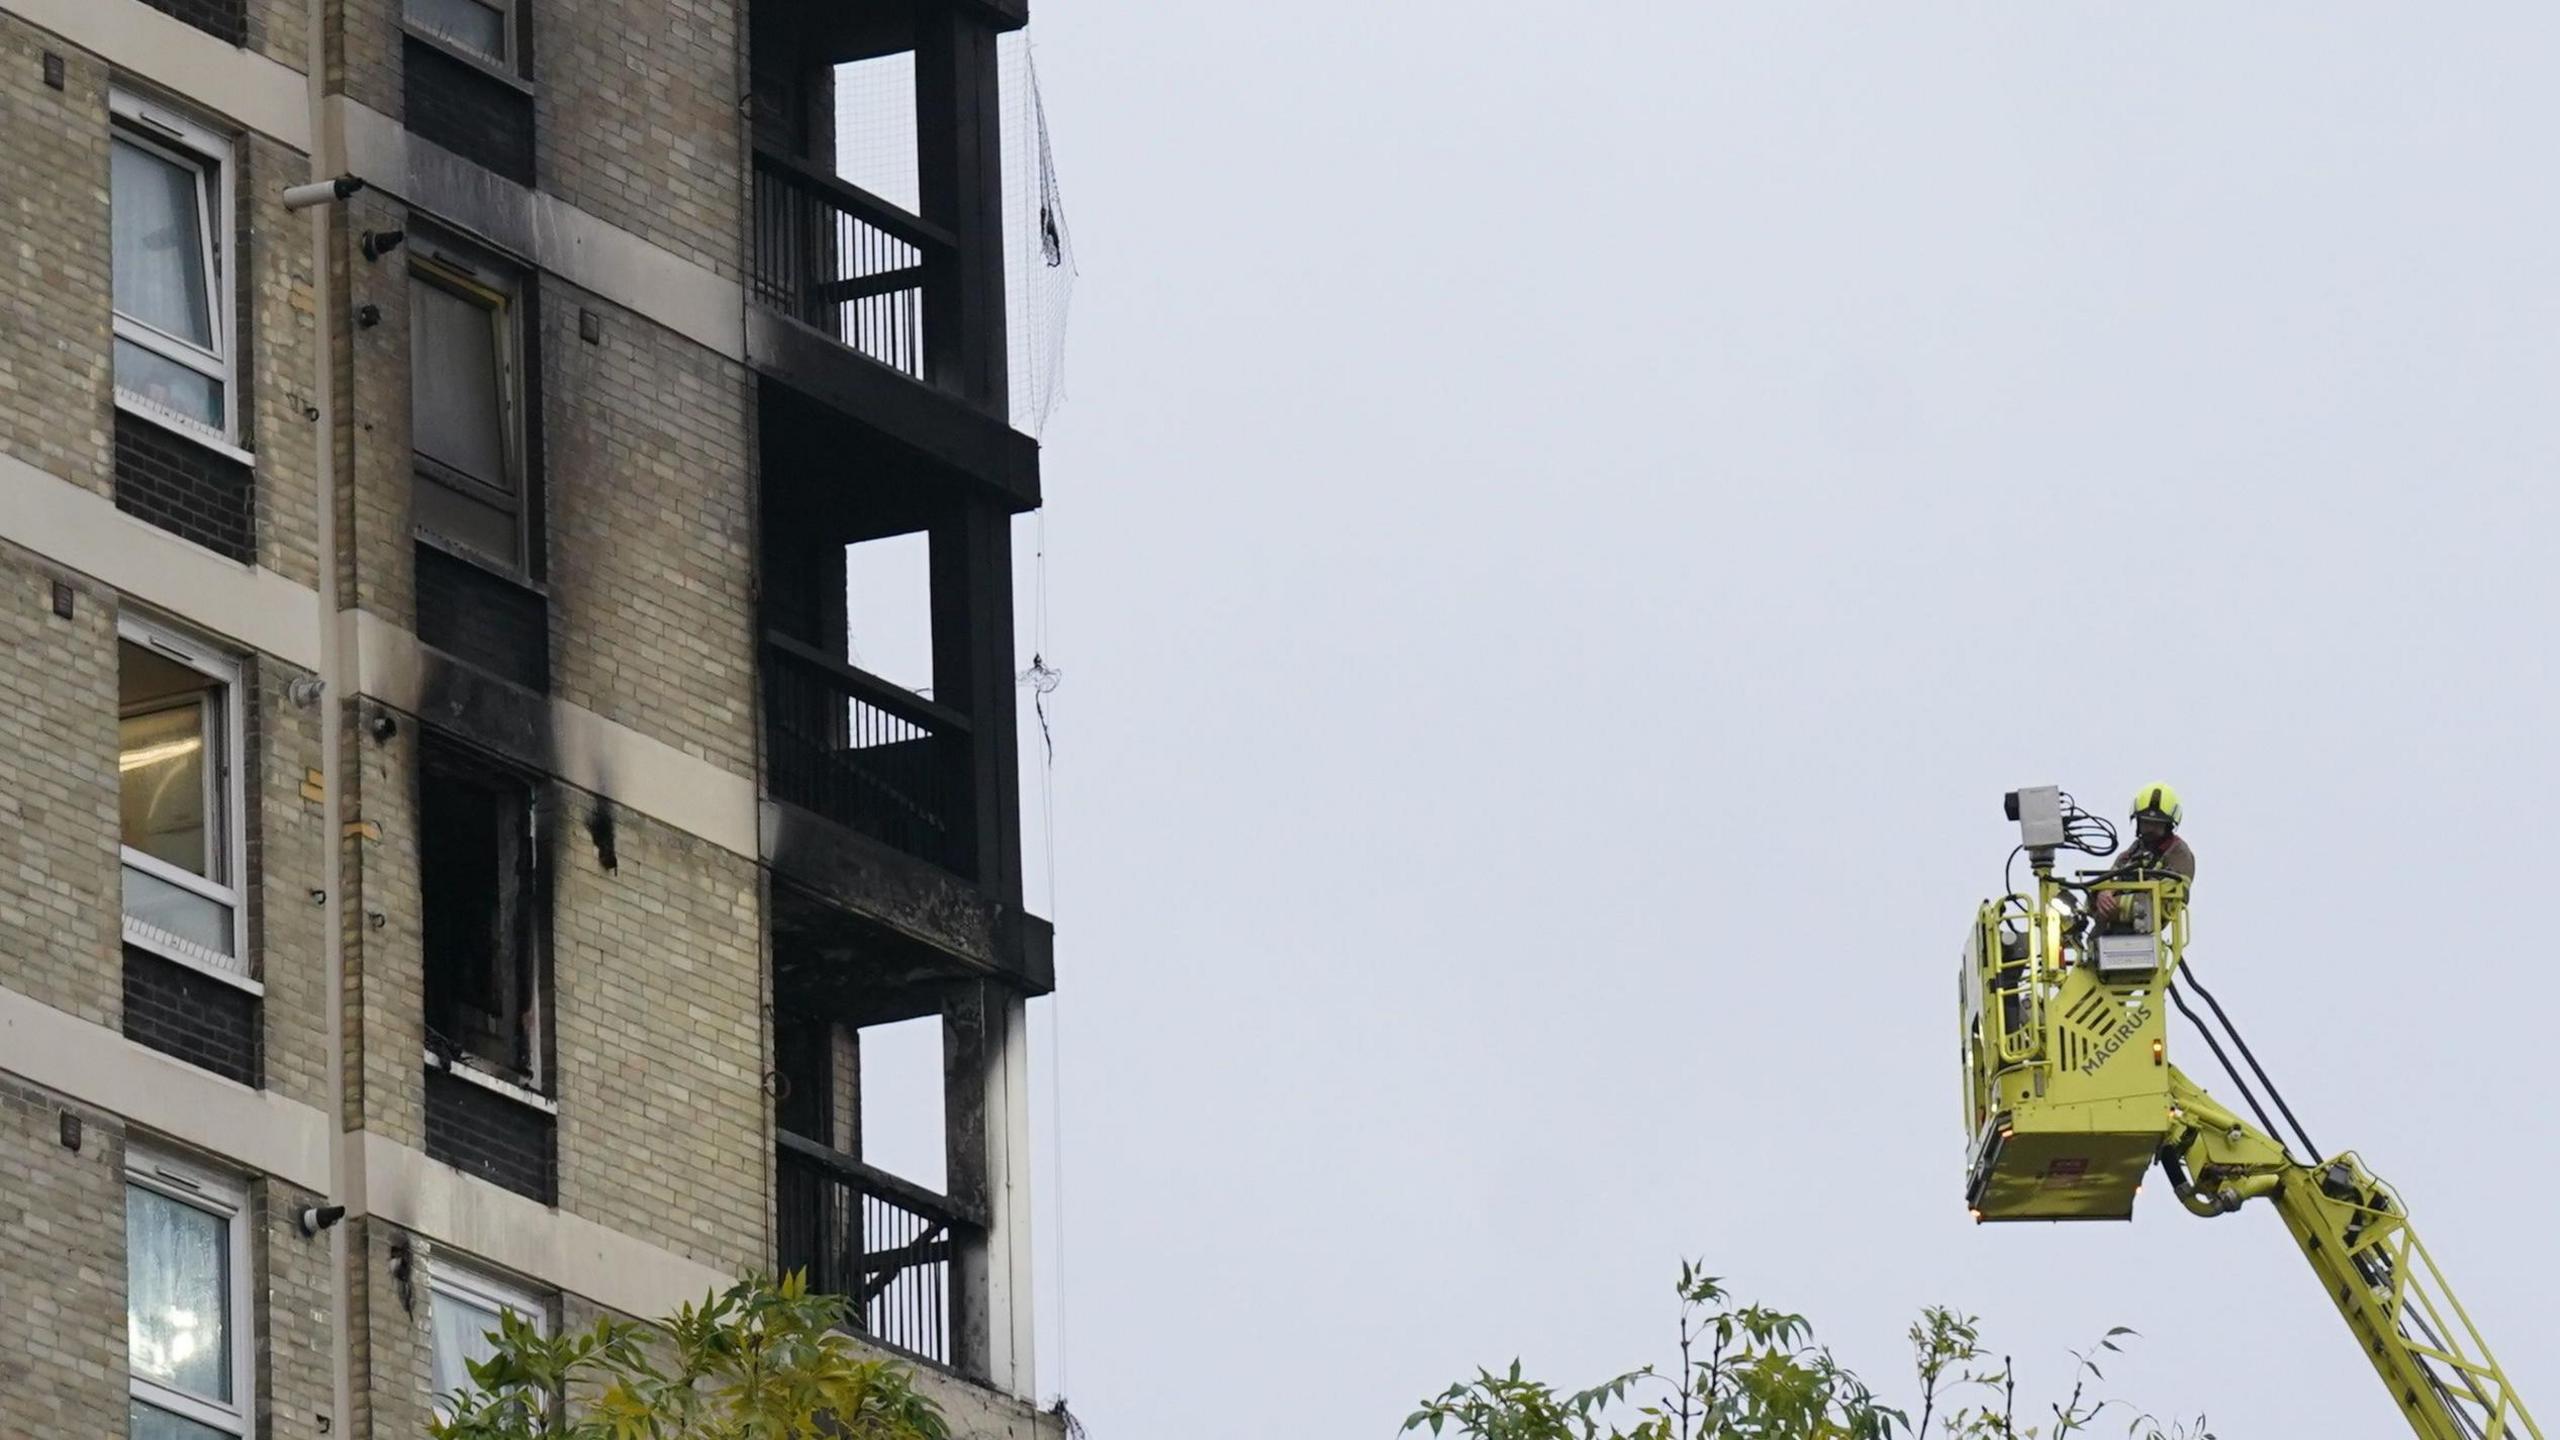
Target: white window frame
x=504 y=63
x=498 y=288
x=229 y=794
x=226 y=1197
x=174 y=137
x=473 y=1285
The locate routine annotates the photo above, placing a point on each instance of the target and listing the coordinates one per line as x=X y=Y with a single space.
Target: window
x=465 y=412
x=179 y=797
x=479 y=882
x=186 y=1300
x=485 y=28
x=170 y=207
x=463 y=1307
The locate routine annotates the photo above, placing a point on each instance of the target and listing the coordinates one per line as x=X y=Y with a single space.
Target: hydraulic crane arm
x=2358 y=1238
x=2069 y=1099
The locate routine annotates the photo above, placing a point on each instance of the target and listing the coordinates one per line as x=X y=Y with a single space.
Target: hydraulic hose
x=2189 y=970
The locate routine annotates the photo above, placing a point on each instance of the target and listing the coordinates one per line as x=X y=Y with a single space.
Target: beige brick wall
x=291 y=832
x=54 y=316
x=62 y=1343
x=386 y=1003
x=363 y=37
x=651 y=581
x=636 y=117
x=279 y=30
x=60 y=893
x=664 y=1128
x=376 y=483
x=56 y=304
x=294 y=1383
x=277 y=367
x=62 y=1276
x=396 y=1347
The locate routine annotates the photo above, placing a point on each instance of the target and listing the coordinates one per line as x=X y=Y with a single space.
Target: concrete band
x=261 y=610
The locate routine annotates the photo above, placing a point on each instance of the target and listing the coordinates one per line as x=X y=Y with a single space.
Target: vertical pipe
x=345 y=1161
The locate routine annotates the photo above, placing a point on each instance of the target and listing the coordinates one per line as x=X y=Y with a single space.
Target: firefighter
x=2156 y=849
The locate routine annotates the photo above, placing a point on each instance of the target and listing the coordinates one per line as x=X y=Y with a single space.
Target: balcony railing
x=846 y=262
x=869 y=756
x=883 y=1243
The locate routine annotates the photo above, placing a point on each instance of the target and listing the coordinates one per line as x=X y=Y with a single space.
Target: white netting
x=876 y=149
x=1040 y=255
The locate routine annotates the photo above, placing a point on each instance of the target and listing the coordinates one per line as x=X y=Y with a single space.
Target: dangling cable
x=1043 y=679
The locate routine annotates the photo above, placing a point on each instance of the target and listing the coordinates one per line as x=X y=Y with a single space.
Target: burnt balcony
x=879 y=760
x=850 y=265
x=887 y=318
x=888 y=1245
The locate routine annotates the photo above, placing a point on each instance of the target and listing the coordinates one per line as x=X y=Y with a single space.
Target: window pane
x=178 y=913
x=177 y=1293
x=454 y=412
x=145 y=1422
x=166 y=383
x=462 y=1331
x=161 y=755
x=467 y=23
x=159 y=244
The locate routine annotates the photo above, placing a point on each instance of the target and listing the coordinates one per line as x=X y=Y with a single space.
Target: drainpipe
x=345 y=1163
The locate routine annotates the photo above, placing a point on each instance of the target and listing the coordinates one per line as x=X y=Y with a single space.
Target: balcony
x=848 y=264
x=889 y=1246
x=878 y=760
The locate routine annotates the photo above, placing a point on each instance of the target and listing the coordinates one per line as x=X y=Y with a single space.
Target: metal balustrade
x=868 y=755
x=885 y=1244
x=846 y=262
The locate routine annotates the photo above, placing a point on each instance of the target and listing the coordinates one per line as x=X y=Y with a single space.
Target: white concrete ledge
x=643 y=277
x=270 y=98
x=258 y=609
x=565 y=1251
x=273 y=99
x=164 y=1095
x=84 y=531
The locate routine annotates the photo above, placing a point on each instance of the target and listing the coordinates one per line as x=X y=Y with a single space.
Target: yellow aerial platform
x=2070 y=1099
x=2066 y=1060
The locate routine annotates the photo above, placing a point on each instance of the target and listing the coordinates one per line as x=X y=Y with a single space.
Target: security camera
x=320 y=192
x=316 y=1218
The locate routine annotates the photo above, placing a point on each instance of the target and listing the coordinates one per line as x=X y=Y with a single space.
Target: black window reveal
x=480 y=884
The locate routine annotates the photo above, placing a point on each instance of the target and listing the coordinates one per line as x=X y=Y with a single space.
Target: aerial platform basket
x=2067 y=1093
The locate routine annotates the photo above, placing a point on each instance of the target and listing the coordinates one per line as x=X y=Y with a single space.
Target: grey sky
x=1563 y=528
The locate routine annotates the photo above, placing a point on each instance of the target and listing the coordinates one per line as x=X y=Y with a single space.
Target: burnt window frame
x=505 y=291
x=445 y=765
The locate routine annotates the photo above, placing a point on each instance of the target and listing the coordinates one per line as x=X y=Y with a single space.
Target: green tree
x=763 y=1361
x=1750 y=1372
